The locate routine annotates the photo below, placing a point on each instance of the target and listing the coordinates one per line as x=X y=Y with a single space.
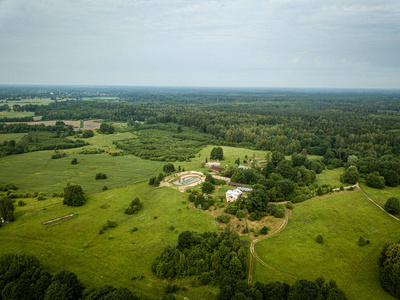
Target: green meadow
x=331 y=177
x=341 y=219
x=120 y=253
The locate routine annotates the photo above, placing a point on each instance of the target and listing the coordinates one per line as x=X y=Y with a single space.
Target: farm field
x=341 y=219
x=11 y=136
x=120 y=253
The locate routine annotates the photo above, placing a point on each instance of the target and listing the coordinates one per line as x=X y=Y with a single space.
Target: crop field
x=341 y=219
x=120 y=253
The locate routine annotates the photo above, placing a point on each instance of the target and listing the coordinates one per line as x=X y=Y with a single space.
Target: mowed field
x=120 y=253
x=341 y=219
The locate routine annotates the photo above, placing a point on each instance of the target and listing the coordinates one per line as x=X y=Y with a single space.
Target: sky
x=235 y=43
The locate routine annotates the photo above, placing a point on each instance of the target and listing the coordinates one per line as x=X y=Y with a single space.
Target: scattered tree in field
x=217 y=153
x=389 y=263
x=73 y=195
x=362 y=241
x=106 y=129
x=87 y=133
x=100 y=175
x=169 y=168
x=191 y=198
x=392 y=206
x=134 y=207
x=264 y=230
x=74 y=161
x=7 y=209
x=320 y=239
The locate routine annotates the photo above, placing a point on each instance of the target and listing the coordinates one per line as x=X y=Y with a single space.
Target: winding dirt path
x=359 y=265
x=255 y=256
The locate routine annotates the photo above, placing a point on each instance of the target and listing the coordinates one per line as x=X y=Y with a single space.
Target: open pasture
x=120 y=253
x=341 y=219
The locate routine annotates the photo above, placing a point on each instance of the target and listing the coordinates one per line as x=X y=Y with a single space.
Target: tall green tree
x=73 y=195
x=7 y=209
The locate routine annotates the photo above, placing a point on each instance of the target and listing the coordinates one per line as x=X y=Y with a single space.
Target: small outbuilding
x=233 y=195
x=217 y=169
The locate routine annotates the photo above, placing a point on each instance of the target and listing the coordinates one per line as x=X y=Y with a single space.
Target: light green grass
x=380 y=196
x=331 y=177
x=37 y=172
x=11 y=136
x=230 y=155
x=341 y=219
x=37 y=101
x=117 y=255
x=16 y=114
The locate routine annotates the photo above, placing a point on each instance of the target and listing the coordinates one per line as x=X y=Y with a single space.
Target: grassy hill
x=120 y=253
x=341 y=219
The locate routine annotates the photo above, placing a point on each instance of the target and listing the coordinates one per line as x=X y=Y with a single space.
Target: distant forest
x=349 y=122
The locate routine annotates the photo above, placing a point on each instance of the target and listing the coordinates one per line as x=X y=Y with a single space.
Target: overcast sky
x=255 y=43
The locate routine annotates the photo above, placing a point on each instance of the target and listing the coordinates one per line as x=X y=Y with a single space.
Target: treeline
x=344 y=122
x=40 y=140
x=23 y=277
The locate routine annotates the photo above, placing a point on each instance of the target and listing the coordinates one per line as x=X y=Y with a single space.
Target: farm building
x=245 y=189
x=244 y=167
x=234 y=184
x=217 y=169
x=233 y=195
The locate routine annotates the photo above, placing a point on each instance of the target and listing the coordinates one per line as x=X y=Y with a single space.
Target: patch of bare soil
x=58 y=220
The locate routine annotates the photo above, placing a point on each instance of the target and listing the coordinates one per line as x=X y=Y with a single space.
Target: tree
x=391 y=178
x=179 y=129
x=320 y=239
x=210 y=178
x=350 y=175
x=392 y=206
x=106 y=129
x=389 y=262
x=304 y=290
x=169 y=168
x=375 y=180
x=7 y=209
x=73 y=195
x=87 y=133
x=217 y=153
x=74 y=161
x=207 y=187
x=185 y=240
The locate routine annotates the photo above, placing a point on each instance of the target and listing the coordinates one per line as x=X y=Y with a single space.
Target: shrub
x=362 y=241
x=240 y=214
x=231 y=209
x=208 y=187
x=100 y=176
x=255 y=215
x=392 y=206
x=105 y=188
x=191 y=198
x=264 y=230
x=223 y=218
x=21 y=203
x=41 y=197
x=134 y=207
x=320 y=239
x=289 y=205
x=74 y=161
x=245 y=230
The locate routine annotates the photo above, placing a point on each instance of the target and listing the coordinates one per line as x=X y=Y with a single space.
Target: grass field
x=37 y=172
x=117 y=255
x=341 y=219
x=16 y=114
x=331 y=177
x=38 y=101
x=11 y=136
x=380 y=196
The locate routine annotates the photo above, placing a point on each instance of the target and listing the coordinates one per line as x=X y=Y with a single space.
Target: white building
x=233 y=195
x=244 y=167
